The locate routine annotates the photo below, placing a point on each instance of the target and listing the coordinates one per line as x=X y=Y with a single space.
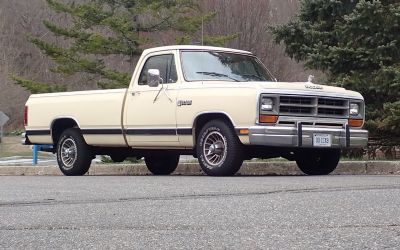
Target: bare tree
x=251 y=19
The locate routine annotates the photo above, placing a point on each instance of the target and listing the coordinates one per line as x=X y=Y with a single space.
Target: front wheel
x=317 y=161
x=73 y=154
x=219 y=150
x=163 y=164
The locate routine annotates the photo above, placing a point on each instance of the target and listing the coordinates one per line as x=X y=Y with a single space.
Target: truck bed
x=93 y=111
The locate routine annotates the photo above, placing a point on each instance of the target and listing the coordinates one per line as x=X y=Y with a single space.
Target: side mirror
x=153 y=77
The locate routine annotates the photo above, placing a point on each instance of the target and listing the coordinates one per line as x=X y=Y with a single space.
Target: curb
x=248 y=168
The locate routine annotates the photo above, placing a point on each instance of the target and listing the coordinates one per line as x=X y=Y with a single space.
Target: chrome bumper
x=301 y=136
x=25 y=139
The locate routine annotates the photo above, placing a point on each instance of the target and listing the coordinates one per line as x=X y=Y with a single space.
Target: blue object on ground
x=36 y=149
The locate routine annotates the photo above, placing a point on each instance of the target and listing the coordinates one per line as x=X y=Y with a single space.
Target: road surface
x=189 y=212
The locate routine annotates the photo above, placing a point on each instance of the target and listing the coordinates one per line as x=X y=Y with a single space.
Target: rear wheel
x=163 y=164
x=219 y=150
x=73 y=154
x=317 y=161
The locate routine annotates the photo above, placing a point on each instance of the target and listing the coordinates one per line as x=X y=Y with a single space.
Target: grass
x=11 y=146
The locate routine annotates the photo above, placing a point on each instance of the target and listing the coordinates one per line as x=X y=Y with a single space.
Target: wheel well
x=201 y=120
x=59 y=126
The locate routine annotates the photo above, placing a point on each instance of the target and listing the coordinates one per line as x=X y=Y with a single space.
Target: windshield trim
x=219 y=51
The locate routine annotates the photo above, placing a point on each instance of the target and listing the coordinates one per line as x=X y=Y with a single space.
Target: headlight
x=267 y=104
x=354 y=109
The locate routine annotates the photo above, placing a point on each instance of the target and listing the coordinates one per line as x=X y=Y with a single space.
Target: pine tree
x=357 y=44
x=102 y=28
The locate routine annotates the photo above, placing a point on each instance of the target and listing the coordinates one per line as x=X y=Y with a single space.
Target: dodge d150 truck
x=220 y=105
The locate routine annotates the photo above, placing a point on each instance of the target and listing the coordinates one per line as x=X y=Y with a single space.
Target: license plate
x=322 y=140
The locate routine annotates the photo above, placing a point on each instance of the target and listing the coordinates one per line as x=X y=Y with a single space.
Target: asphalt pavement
x=200 y=212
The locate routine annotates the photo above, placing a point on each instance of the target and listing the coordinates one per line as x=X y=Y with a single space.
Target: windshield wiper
x=217 y=75
x=253 y=76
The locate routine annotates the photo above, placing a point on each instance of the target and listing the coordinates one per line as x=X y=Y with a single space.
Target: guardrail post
x=35 y=154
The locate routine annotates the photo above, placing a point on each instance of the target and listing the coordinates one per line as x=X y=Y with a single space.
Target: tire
x=162 y=164
x=73 y=154
x=317 y=161
x=219 y=150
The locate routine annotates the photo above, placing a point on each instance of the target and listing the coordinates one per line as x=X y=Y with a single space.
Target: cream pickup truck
x=220 y=105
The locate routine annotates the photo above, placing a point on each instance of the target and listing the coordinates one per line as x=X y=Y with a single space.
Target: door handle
x=135 y=93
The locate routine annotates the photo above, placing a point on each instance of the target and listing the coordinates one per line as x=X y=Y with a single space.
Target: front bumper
x=302 y=136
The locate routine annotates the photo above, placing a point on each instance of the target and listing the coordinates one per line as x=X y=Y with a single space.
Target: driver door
x=150 y=118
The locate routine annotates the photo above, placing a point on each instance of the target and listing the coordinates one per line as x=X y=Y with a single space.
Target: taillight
x=26 y=116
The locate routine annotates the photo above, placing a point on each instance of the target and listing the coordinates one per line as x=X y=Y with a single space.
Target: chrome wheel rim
x=214 y=148
x=68 y=153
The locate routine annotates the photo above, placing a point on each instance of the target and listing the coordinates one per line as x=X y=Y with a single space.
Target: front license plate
x=322 y=140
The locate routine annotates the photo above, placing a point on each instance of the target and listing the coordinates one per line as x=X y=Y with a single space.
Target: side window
x=165 y=64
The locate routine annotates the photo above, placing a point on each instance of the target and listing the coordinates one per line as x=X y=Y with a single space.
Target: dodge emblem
x=313 y=87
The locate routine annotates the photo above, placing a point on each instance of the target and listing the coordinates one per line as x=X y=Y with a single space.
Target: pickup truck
x=220 y=105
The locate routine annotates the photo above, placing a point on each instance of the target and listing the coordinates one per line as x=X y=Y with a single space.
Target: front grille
x=295 y=100
x=331 y=102
x=295 y=110
x=332 y=111
x=317 y=106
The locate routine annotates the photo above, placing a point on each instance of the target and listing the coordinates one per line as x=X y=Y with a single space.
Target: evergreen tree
x=357 y=44
x=103 y=28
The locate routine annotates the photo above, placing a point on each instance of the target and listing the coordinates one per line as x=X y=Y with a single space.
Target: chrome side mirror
x=153 y=77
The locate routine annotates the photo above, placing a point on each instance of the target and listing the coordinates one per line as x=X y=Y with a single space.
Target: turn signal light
x=268 y=118
x=356 y=122
x=244 y=131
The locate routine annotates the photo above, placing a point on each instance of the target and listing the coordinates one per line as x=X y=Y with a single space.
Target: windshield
x=223 y=66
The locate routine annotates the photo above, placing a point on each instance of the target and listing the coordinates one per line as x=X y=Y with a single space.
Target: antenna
x=202 y=30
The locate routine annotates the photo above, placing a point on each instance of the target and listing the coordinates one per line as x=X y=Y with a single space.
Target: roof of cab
x=194 y=47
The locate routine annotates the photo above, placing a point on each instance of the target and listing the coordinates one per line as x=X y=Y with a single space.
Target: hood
x=299 y=88
x=308 y=88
